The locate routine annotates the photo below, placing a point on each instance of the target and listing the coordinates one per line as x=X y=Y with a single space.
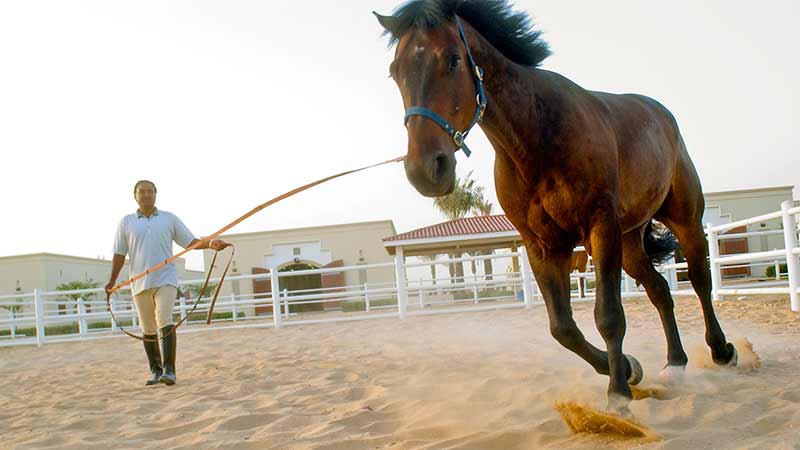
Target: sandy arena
x=484 y=380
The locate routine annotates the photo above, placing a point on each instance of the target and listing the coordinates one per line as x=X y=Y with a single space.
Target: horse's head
x=437 y=81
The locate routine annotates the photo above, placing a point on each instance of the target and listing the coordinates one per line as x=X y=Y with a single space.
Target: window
x=296 y=251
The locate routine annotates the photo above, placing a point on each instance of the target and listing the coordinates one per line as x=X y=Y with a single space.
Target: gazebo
x=469 y=233
x=458 y=236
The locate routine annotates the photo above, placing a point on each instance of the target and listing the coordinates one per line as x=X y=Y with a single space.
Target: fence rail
x=40 y=317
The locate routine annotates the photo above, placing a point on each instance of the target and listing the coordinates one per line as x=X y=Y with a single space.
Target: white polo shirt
x=148 y=241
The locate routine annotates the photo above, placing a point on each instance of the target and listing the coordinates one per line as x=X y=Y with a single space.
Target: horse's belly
x=646 y=168
x=641 y=193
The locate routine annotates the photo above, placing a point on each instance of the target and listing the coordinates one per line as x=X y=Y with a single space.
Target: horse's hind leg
x=682 y=212
x=637 y=264
x=695 y=248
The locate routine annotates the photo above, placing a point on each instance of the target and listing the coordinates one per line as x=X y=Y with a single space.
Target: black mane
x=510 y=32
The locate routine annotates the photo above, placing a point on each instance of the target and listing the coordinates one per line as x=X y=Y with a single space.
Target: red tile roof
x=458 y=227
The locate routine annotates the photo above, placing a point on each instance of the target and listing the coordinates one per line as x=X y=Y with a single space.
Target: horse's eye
x=453 y=63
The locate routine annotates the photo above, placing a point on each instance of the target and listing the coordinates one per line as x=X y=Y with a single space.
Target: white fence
x=44 y=317
x=788 y=255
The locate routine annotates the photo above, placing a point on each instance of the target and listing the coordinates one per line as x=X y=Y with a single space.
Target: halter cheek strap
x=457 y=136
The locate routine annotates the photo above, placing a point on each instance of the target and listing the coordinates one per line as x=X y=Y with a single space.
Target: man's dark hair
x=140 y=182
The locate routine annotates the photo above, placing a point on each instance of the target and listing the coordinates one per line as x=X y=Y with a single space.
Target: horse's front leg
x=606 y=243
x=552 y=271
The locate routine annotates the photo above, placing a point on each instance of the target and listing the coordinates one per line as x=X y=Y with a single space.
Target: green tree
x=79 y=285
x=14 y=308
x=432 y=260
x=194 y=289
x=483 y=207
x=466 y=196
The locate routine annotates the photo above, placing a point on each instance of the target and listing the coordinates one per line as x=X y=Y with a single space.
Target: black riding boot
x=168 y=344
x=153 y=358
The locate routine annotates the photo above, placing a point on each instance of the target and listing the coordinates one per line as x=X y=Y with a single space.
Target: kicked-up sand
x=481 y=380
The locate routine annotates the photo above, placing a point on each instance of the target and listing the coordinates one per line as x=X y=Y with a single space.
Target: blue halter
x=458 y=136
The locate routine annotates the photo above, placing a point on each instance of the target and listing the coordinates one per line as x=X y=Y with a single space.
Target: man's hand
x=218 y=244
x=109 y=286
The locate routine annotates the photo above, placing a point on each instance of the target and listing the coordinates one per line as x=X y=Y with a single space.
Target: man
x=147 y=236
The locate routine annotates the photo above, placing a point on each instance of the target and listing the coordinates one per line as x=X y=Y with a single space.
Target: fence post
x=628 y=282
x=366 y=297
x=475 y=288
x=134 y=315
x=12 y=313
x=777 y=269
x=113 y=301
x=182 y=306
x=286 y=303
x=82 y=326
x=672 y=275
x=526 y=277
x=792 y=265
x=276 y=298
x=423 y=300
x=713 y=256
x=400 y=280
x=234 y=310
x=38 y=307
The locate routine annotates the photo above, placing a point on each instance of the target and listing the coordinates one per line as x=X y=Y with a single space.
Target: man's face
x=145 y=195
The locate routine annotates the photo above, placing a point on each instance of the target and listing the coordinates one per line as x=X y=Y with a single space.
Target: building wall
x=352 y=243
x=46 y=271
x=744 y=204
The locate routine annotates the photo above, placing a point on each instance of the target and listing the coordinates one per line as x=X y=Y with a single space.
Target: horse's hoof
x=624 y=412
x=618 y=405
x=734 y=359
x=637 y=373
x=672 y=375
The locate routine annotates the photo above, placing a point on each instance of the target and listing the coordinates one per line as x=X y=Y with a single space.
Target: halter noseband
x=458 y=136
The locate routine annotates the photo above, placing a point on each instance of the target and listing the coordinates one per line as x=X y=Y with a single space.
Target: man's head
x=144 y=191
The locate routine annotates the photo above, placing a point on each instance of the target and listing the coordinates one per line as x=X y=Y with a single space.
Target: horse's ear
x=387 y=22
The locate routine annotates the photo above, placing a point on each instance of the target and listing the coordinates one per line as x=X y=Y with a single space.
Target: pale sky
x=228 y=104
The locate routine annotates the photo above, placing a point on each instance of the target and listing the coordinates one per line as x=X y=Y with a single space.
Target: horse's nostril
x=440 y=166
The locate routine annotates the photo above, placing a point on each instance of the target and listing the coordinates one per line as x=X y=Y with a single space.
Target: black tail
x=659 y=243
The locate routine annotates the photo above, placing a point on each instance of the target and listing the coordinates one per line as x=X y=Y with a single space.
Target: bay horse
x=571 y=165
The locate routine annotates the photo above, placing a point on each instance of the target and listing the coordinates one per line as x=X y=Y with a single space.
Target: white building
x=731 y=206
x=316 y=247
x=46 y=271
